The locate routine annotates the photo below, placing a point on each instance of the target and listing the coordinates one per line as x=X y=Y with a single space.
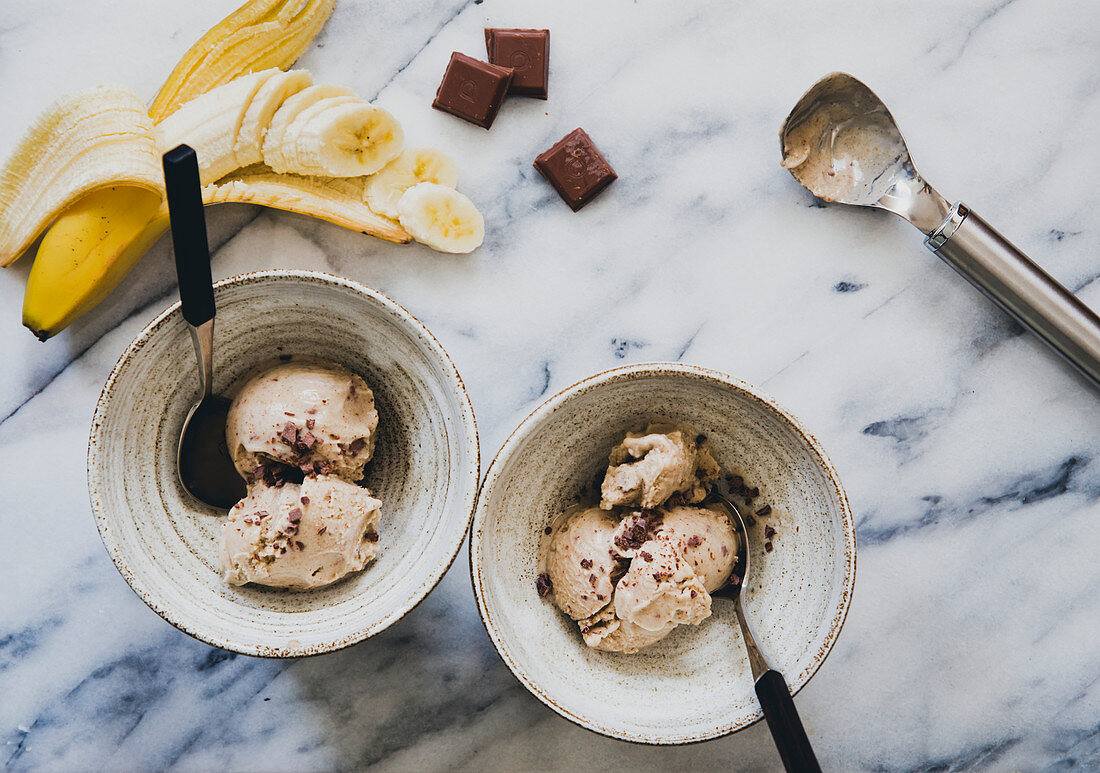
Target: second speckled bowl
x=696 y=683
x=425 y=467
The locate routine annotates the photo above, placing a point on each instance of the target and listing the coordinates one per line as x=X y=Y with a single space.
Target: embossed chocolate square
x=576 y=169
x=472 y=90
x=527 y=52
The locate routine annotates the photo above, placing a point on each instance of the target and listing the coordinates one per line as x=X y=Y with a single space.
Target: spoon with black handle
x=775 y=697
x=205 y=469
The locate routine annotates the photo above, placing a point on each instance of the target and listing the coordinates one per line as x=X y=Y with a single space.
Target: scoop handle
x=1010 y=279
x=785 y=724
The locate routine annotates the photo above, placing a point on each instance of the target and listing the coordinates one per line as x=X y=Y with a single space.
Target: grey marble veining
x=969 y=453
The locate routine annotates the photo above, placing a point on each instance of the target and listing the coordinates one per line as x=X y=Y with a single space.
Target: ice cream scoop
x=316 y=416
x=202 y=460
x=708 y=540
x=577 y=559
x=660 y=590
x=300 y=536
x=842 y=144
x=651 y=465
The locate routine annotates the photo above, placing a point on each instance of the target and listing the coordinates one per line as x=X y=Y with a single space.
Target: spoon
x=771 y=688
x=841 y=143
x=202 y=459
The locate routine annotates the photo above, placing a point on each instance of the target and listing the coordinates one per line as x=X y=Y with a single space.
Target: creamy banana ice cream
x=315 y=416
x=300 y=536
x=643 y=561
x=628 y=580
x=660 y=590
x=578 y=560
x=708 y=540
x=650 y=466
x=300 y=433
x=608 y=633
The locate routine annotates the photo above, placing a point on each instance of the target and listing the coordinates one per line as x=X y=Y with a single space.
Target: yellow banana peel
x=87 y=252
x=258 y=35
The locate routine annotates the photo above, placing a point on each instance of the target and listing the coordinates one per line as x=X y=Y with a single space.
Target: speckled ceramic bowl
x=425 y=467
x=696 y=683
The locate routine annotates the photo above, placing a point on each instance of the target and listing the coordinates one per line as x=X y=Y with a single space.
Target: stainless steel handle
x=203 y=339
x=1010 y=279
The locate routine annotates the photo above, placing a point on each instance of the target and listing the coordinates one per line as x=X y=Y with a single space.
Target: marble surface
x=969 y=453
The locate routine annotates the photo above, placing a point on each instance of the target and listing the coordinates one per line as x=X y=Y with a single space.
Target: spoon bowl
x=202 y=458
x=842 y=144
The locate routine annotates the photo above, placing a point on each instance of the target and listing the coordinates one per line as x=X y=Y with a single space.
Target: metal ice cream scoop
x=841 y=143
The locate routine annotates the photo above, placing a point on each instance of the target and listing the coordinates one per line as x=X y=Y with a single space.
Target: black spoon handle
x=181 y=179
x=782 y=717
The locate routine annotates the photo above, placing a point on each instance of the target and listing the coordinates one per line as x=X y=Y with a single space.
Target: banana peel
x=338 y=200
x=101 y=234
x=93 y=139
x=87 y=252
x=95 y=243
x=258 y=35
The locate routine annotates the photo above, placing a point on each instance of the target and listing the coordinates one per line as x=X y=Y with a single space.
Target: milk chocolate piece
x=576 y=169
x=472 y=90
x=527 y=52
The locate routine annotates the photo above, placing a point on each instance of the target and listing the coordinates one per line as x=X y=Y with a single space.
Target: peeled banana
x=258 y=35
x=441 y=218
x=83 y=142
x=415 y=165
x=91 y=164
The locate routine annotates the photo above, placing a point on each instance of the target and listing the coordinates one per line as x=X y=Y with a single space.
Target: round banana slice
x=385 y=187
x=441 y=218
x=209 y=123
x=338 y=137
x=276 y=130
x=261 y=110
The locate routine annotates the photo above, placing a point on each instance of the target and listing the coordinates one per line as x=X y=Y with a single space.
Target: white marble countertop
x=969 y=453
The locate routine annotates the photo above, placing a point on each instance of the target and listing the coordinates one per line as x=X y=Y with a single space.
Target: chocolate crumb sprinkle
x=694 y=541
x=769 y=532
x=768 y=546
x=586 y=563
x=764 y=511
x=543 y=584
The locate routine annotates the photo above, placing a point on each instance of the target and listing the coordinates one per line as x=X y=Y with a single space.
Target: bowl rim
x=546 y=409
x=452 y=379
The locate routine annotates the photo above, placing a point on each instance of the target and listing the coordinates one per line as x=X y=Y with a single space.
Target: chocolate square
x=527 y=52
x=472 y=90
x=576 y=169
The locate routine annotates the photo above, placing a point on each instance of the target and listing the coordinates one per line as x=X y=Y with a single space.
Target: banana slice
x=441 y=218
x=337 y=200
x=338 y=137
x=93 y=139
x=385 y=187
x=271 y=96
x=212 y=122
x=276 y=130
x=258 y=35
